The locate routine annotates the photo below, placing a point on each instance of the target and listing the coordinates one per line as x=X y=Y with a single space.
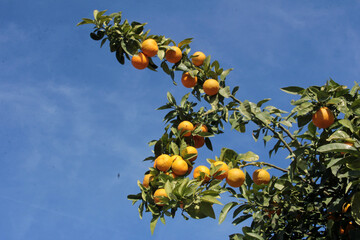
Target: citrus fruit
x=211 y=87
x=163 y=162
x=223 y=170
x=261 y=176
x=189 y=150
x=149 y=47
x=199 y=141
x=202 y=169
x=235 y=177
x=323 y=118
x=179 y=166
x=186 y=126
x=140 y=61
x=147 y=179
x=198 y=58
x=188 y=81
x=158 y=195
x=173 y=54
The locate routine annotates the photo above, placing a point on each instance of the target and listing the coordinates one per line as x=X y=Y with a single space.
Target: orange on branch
x=186 y=126
x=323 y=118
x=158 y=195
x=149 y=47
x=173 y=54
x=235 y=177
x=140 y=61
x=147 y=179
x=163 y=162
x=188 y=81
x=223 y=170
x=202 y=169
x=198 y=58
x=189 y=150
x=261 y=176
x=211 y=87
x=179 y=166
x=199 y=141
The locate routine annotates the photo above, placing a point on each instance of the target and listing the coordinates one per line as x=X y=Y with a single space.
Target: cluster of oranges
x=182 y=165
x=149 y=48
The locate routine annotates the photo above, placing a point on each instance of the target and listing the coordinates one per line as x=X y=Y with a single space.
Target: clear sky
x=72 y=118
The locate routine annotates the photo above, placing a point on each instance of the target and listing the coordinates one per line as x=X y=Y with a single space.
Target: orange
x=323 y=118
x=204 y=128
x=149 y=47
x=174 y=157
x=173 y=54
x=235 y=177
x=173 y=175
x=163 y=162
x=223 y=170
x=186 y=126
x=189 y=150
x=202 y=169
x=198 y=58
x=158 y=195
x=211 y=87
x=179 y=166
x=188 y=81
x=147 y=179
x=198 y=141
x=261 y=176
x=140 y=61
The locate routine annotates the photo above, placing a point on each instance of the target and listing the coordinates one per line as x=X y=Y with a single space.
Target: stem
x=266 y=164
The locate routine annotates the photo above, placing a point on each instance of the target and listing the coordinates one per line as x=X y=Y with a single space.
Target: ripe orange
x=189 y=150
x=204 y=128
x=186 y=126
x=202 y=169
x=323 y=118
x=211 y=87
x=223 y=170
x=149 y=47
x=163 y=162
x=199 y=58
x=235 y=177
x=188 y=81
x=173 y=54
x=147 y=179
x=261 y=176
x=198 y=141
x=158 y=195
x=140 y=61
x=179 y=166
x=174 y=157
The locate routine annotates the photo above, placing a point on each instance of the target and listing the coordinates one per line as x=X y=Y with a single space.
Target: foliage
x=305 y=202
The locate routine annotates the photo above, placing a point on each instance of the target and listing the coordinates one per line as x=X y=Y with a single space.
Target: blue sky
x=72 y=118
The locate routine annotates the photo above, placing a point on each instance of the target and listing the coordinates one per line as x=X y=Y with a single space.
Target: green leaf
x=207 y=209
x=170 y=98
x=338 y=147
x=354 y=164
x=184 y=99
x=241 y=219
x=153 y=223
x=347 y=123
x=249 y=157
x=293 y=90
x=210 y=199
x=355 y=207
x=225 y=73
x=254 y=235
x=225 y=92
x=174 y=148
x=186 y=41
x=225 y=211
